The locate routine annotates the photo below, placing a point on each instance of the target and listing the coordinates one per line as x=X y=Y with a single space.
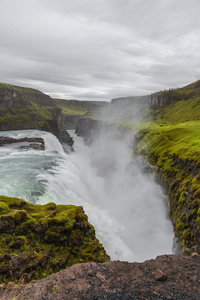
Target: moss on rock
x=38 y=240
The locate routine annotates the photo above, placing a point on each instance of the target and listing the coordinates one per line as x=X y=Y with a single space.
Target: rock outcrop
x=174 y=277
x=163 y=99
x=25 y=143
x=38 y=240
x=168 y=97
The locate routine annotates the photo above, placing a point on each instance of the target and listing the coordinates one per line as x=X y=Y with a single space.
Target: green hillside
x=25 y=108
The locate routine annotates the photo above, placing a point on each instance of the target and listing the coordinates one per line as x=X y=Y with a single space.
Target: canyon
x=169 y=118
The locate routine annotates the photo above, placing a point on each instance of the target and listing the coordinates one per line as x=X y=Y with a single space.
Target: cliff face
x=24 y=108
x=167 y=97
x=88 y=128
x=163 y=99
x=71 y=121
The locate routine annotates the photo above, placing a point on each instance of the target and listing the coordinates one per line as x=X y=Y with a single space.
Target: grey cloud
x=99 y=49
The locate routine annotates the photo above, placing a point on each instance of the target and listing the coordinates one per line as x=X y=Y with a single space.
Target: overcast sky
x=99 y=49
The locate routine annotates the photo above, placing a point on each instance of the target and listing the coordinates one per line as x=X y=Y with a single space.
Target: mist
x=125 y=189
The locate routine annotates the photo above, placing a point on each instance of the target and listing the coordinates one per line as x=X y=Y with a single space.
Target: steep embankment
x=170 y=138
x=74 y=110
x=24 y=108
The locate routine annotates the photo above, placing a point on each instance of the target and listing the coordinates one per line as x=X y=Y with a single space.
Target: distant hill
x=77 y=107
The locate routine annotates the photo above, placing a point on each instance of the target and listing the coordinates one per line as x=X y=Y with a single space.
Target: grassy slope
x=24 y=112
x=171 y=140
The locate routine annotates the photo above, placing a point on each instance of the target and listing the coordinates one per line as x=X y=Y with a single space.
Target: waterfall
x=125 y=205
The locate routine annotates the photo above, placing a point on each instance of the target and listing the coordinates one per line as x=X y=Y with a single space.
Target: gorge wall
x=155 y=100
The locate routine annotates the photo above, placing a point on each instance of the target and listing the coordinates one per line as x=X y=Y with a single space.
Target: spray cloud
x=129 y=191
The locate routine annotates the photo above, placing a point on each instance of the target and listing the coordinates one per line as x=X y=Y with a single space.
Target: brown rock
x=160 y=276
x=116 y=281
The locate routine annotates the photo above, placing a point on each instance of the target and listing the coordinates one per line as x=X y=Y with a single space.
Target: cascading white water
x=126 y=206
x=19 y=169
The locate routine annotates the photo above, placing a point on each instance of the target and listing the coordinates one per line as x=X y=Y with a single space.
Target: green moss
x=43 y=239
x=4 y=208
x=185 y=233
x=179 y=224
x=182 y=197
x=198 y=221
x=53 y=288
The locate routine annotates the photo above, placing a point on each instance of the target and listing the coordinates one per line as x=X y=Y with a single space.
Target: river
x=123 y=202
